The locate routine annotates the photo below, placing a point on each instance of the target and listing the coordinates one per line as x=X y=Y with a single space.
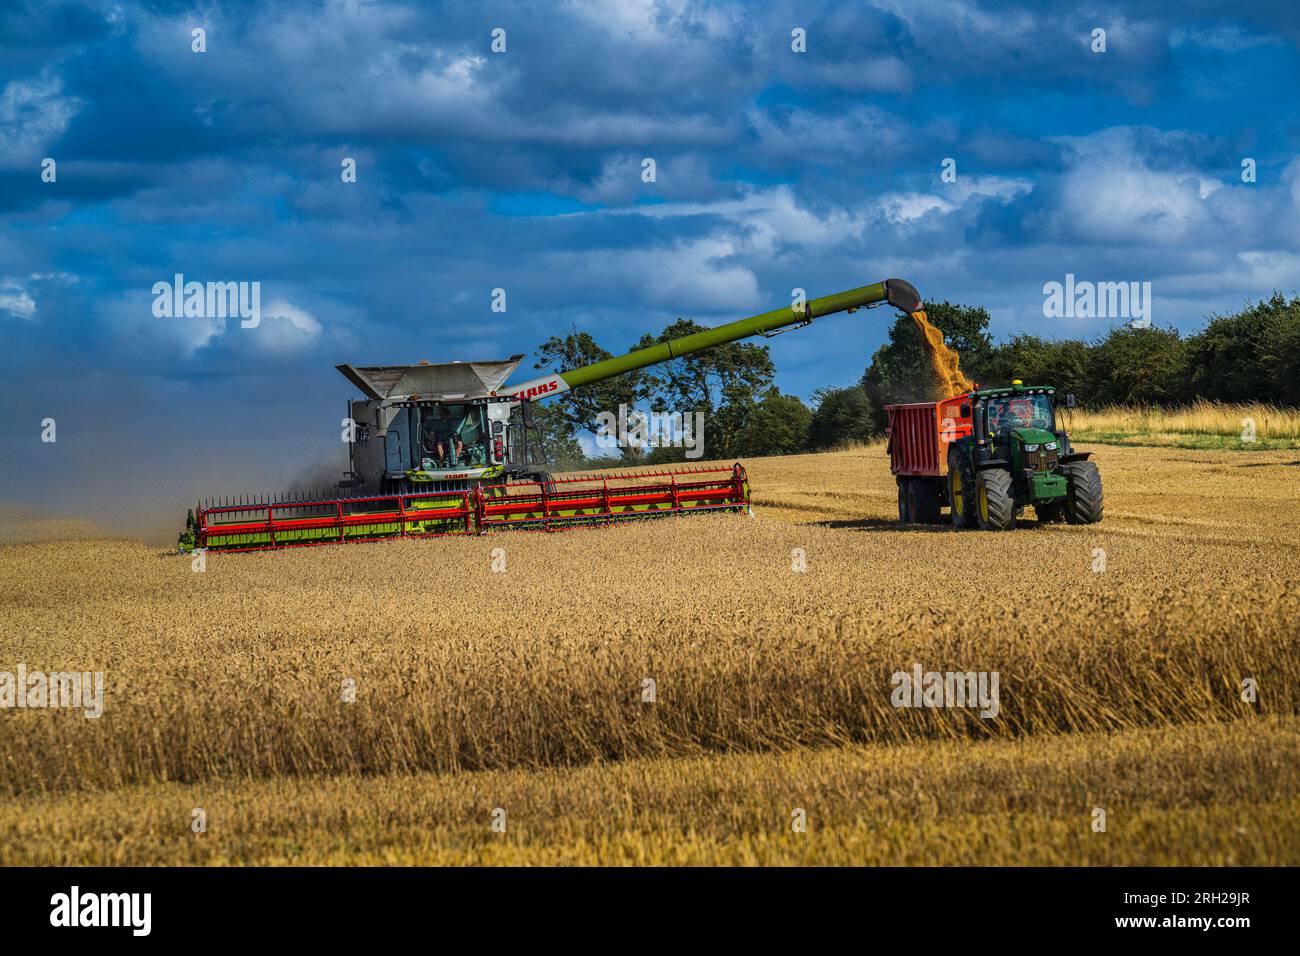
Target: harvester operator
x=441 y=436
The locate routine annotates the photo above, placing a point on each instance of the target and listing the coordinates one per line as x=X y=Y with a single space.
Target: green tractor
x=988 y=454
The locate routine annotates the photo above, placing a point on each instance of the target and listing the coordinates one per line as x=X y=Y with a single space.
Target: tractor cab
x=1016 y=427
x=1001 y=411
x=1008 y=412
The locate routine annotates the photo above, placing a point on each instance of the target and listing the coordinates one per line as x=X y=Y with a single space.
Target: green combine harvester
x=445 y=449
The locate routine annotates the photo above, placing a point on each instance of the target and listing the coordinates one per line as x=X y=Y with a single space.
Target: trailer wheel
x=994 y=501
x=923 y=501
x=961 y=491
x=1084 y=504
x=904 y=514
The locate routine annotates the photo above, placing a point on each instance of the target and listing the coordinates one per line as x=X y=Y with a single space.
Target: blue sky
x=521 y=170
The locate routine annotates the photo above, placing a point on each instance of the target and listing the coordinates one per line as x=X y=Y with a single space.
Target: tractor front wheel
x=1084 y=503
x=994 y=501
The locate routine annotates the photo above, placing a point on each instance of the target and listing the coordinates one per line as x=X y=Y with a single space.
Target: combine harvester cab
x=437 y=450
x=986 y=455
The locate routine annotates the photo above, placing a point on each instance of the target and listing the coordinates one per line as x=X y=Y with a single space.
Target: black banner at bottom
x=335 y=906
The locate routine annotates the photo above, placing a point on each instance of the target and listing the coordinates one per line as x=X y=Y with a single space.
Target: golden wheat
x=1152 y=424
x=235 y=675
x=1191 y=795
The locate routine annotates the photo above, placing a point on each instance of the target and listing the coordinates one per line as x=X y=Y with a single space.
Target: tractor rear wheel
x=994 y=501
x=961 y=491
x=923 y=501
x=1084 y=503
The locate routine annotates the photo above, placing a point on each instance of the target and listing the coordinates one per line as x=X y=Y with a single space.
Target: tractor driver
x=1021 y=412
x=998 y=417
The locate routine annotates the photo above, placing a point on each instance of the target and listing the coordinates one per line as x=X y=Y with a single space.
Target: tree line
x=1250 y=355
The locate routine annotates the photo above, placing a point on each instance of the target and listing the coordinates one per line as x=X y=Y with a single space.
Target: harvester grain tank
x=986 y=455
x=439 y=449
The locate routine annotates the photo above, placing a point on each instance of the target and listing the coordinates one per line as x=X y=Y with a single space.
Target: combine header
x=543 y=506
x=444 y=449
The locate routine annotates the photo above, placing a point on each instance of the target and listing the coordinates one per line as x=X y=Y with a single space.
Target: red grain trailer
x=919 y=434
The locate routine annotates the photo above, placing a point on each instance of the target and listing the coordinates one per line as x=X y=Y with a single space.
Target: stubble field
x=1121 y=650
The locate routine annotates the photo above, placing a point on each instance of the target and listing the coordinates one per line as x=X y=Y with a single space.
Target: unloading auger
x=443 y=449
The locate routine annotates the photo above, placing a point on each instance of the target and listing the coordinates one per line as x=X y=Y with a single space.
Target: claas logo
x=544 y=389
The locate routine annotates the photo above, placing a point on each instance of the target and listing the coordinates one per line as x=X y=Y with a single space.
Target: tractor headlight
x=1050 y=446
x=1031 y=448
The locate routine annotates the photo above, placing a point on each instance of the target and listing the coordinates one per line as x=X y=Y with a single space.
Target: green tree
x=553 y=442
x=1252 y=355
x=724 y=383
x=1147 y=366
x=840 y=416
x=899 y=370
x=581 y=406
x=778 y=426
x=1035 y=361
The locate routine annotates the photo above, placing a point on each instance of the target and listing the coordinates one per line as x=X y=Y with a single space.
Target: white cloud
x=676 y=177
x=285 y=327
x=1112 y=191
x=1291 y=176
x=962 y=26
x=687 y=275
x=15 y=301
x=902 y=207
x=33 y=114
x=1128 y=204
x=1271 y=269
x=764 y=219
x=129 y=319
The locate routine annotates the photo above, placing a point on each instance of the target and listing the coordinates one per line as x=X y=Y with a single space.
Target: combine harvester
x=437 y=450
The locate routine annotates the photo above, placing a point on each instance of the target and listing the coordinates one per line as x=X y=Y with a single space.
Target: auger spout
x=897 y=292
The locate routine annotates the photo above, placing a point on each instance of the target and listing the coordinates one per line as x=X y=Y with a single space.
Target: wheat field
x=686 y=690
x=1200 y=424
